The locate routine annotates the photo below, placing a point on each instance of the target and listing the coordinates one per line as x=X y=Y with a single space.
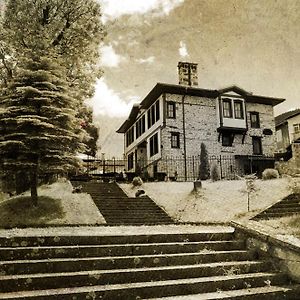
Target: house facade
x=172 y=121
x=287 y=129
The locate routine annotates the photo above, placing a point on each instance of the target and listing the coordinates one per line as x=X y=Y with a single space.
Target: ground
x=220 y=201
x=57 y=206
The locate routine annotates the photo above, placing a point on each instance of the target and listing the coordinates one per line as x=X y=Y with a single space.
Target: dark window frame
x=130 y=161
x=153 y=142
x=257 y=142
x=175 y=140
x=240 y=105
x=254 y=123
x=225 y=110
x=171 y=110
x=227 y=139
x=130 y=136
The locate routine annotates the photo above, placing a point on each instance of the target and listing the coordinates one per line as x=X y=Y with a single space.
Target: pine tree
x=204 y=169
x=38 y=128
x=49 y=52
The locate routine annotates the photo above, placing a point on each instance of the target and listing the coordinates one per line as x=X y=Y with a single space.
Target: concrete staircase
x=201 y=265
x=118 y=209
x=289 y=206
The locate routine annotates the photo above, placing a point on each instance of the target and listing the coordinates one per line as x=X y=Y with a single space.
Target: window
x=140 y=126
x=175 y=142
x=254 y=120
x=227 y=108
x=296 y=128
x=154 y=144
x=130 y=136
x=238 y=109
x=227 y=140
x=153 y=114
x=257 y=146
x=171 y=110
x=157 y=111
x=130 y=161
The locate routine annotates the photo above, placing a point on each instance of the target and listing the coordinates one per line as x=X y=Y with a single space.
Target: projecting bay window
x=227 y=108
x=154 y=144
x=130 y=136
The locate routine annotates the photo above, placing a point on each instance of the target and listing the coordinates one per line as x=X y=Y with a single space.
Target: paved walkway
x=114 y=230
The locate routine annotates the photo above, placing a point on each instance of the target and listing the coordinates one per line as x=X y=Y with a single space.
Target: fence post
x=221 y=170
x=193 y=161
x=103 y=166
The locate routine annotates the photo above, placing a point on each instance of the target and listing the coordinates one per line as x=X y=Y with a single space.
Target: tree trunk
x=33 y=187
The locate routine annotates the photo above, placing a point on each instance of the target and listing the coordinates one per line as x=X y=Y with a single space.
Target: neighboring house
x=173 y=120
x=287 y=129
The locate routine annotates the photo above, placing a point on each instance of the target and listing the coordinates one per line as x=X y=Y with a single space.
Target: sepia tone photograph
x=149 y=149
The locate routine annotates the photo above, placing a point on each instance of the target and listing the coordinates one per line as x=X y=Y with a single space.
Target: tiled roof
x=279 y=120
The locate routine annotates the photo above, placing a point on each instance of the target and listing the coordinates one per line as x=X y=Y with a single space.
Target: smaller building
x=287 y=129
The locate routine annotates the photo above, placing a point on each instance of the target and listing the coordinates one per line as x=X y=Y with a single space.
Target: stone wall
x=291 y=167
x=201 y=123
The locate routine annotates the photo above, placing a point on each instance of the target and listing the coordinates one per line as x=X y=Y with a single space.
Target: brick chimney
x=188 y=74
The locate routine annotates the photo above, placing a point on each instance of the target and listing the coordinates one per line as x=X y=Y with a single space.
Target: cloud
x=183 y=52
x=109 y=58
x=113 y=9
x=148 y=60
x=107 y=102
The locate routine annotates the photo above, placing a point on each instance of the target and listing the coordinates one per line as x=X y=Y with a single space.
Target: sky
x=254 y=44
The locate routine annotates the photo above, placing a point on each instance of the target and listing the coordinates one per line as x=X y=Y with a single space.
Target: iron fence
x=228 y=167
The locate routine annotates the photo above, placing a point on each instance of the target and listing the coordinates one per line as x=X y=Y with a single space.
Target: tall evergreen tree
x=49 y=51
x=37 y=121
x=204 y=169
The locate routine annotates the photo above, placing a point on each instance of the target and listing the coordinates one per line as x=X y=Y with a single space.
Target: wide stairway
x=289 y=206
x=118 y=209
x=203 y=265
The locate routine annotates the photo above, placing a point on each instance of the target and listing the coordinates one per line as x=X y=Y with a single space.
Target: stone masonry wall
x=201 y=123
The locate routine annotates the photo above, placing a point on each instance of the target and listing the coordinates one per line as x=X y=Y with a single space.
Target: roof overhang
x=163 y=88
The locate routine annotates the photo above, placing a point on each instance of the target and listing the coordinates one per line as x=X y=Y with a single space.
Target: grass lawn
x=220 y=201
x=19 y=212
x=57 y=205
x=289 y=225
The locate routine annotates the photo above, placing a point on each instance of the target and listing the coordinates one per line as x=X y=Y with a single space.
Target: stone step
x=286 y=204
x=64 y=240
x=44 y=252
x=118 y=262
x=9 y=283
x=142 y=290
x=267 y=293
x=283 y=209
x=266 y=215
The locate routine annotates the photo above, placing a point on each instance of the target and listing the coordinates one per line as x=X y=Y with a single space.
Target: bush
x=137 y=181
x=270 y=174
x=204 y=169
x=215 y=173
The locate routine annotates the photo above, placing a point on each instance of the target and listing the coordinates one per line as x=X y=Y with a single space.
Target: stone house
x=287 y=129
x=172 y=121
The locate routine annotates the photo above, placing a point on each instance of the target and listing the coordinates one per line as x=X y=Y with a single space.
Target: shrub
x=204 y=169
x=270 y=174
x=215 y=173
x=137 y=181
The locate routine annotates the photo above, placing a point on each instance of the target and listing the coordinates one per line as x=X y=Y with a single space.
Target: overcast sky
x=254 y=44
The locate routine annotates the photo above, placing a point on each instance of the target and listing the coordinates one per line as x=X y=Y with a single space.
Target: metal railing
x=228 y=167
